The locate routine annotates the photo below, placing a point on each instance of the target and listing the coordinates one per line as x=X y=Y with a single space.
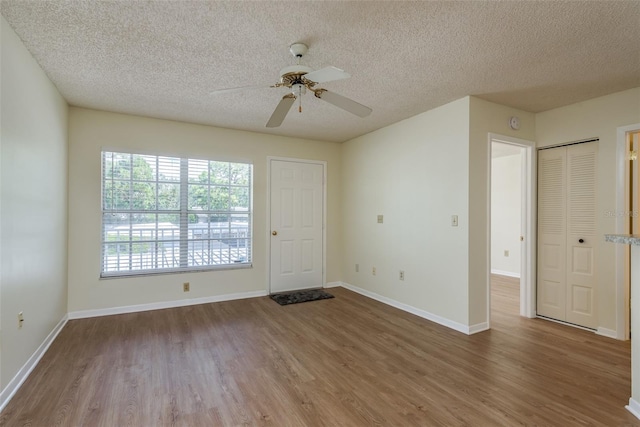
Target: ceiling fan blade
x=281 y=111
x=327 y=74
x=345 y=103
x=237 y=89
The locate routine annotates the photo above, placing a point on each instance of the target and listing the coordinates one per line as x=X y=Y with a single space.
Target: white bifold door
x=567 y=240
x=297 y=196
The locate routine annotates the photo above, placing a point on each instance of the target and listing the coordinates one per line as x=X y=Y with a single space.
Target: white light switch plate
x=454 y=220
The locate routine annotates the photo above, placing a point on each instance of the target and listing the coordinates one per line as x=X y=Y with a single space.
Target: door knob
x=274 y=232
x=581 y=240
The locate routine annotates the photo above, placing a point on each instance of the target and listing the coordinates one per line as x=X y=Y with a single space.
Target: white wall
x=90 y=131
x=418 y=173
x=33 y=205
x=597 y=118
x=506 y=207
x=415 y=173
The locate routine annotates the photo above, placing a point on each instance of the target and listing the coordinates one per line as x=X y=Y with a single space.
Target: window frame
x=184 y=214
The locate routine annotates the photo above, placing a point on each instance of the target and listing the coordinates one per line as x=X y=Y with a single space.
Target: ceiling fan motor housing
x=293 y=74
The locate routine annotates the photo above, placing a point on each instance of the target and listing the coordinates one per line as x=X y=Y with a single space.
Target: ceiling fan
x=300 y=78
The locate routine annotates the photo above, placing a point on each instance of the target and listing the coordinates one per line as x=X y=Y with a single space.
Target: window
x=164 y=214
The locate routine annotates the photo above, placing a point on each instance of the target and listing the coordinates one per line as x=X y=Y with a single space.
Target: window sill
x=239 y=266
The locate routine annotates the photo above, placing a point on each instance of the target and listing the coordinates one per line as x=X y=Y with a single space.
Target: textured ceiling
x=163 y=58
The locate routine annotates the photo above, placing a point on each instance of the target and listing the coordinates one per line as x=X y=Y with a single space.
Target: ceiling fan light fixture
x=298 y=89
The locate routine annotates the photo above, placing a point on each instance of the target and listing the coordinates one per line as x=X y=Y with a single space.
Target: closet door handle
x=581 y=241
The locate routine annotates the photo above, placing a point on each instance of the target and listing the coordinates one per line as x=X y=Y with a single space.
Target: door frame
x=528 y=224
x=623 y=310
x=323 y=163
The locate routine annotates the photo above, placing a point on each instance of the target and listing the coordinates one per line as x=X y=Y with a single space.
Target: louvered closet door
x=567 y=234
x=552 y=202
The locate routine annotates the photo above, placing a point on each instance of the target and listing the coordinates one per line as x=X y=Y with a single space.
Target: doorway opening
x=627 y=217
x=524 y=249
x=506 y=226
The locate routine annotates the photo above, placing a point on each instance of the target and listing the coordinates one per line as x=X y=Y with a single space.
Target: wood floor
x=347 y=361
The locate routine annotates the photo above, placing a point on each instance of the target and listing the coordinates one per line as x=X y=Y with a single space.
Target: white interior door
x=297 y=196
x=567 y=234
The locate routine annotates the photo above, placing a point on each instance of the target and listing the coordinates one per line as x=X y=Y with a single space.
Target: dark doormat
x=300 y=296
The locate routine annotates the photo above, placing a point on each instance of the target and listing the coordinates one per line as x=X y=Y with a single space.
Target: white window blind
x=164 y=214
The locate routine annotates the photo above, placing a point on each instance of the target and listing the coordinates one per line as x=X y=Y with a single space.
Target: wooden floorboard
x=347 y=361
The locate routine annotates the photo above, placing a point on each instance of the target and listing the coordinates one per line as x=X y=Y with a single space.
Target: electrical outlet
x=401 y=274
x=373 y=271
x=506 y=253
x=380 y=219
x=185 y=287
x=357 y=268
x=20 y=320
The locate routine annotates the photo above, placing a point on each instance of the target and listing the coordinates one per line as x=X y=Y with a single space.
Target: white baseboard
x=418 y=312
x=634 y=408
x=505 y=273
x=333 y=284
x=83 y=314
x=610 y=333
x=478 y=327
x=12 y=387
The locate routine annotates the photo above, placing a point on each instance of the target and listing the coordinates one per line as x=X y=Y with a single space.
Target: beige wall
x=597 y=118
x=33 y=205
x=90 y=131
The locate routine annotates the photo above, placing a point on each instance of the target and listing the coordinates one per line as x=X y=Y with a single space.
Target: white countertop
x=627 y=239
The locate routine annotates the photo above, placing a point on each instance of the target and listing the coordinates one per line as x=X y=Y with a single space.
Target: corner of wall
x=34 y=152
x=485 y=117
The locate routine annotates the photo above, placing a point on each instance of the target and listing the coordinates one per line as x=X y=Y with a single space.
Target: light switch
x=380 y=219
x=454 y=220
